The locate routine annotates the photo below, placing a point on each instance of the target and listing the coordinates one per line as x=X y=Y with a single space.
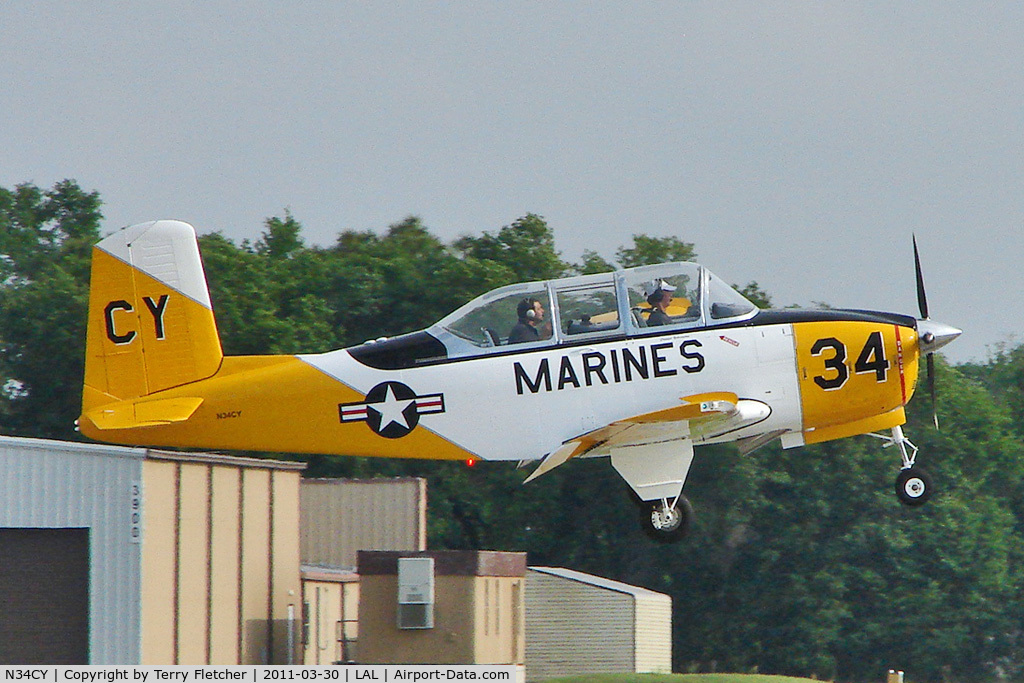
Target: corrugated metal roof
x=318 y=572
x=112 y=451
x=598 y=582
x=447 y=562
x=233 y=460
x=627 y=628
x=72 y=447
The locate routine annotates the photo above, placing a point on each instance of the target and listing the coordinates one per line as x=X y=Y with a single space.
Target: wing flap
x=670 y=423
x=556 y=458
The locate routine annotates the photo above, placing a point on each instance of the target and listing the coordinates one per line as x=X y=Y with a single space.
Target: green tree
x=755 y=294
x=1003 y=376
x=593 y=263
x=282 y=236
x=526 y=248
x=45 y=241
x=647 y=250
x=270 y=297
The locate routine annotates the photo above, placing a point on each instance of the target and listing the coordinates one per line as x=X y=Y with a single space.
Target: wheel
x=666 y=525
x=914 y=486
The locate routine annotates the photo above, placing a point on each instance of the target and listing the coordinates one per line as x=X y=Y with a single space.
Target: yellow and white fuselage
x=596 y=379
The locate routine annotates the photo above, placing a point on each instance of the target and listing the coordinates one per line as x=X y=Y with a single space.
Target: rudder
x=151 y=325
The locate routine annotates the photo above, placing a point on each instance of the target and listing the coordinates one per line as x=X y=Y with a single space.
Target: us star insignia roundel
x=391 y=409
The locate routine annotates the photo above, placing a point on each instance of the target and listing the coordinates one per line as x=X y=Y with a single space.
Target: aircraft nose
x=934 y=335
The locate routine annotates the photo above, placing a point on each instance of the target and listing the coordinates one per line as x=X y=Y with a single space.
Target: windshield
x=494 y=318
x=726 y=302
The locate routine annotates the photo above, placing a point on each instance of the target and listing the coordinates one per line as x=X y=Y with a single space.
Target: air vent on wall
x=415 y=592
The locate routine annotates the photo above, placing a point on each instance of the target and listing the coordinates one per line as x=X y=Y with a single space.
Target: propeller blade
x=933 y=335
x=931 y=388
x=922 y=300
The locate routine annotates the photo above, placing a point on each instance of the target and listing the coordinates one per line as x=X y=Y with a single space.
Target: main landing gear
x=913 y=484
x=666 y=521
x=656 y=473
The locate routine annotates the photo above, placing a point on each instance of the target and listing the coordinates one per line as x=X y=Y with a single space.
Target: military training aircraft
x=639 y=365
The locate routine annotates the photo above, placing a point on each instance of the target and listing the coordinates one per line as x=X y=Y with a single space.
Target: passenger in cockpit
x=659 y=297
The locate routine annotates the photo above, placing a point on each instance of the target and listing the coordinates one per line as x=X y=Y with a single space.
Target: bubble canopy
x=630 y=302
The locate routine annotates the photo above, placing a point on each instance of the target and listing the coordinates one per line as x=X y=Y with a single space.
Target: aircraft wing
x=695 y=416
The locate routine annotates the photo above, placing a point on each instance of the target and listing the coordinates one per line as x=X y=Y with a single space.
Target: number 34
x=871 y=359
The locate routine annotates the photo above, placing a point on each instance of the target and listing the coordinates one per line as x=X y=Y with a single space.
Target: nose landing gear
x=913 y=484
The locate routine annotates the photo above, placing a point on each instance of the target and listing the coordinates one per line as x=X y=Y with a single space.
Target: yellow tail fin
x=151 y=325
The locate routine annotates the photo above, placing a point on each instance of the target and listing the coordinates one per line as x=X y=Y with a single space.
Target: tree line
x=800 y=562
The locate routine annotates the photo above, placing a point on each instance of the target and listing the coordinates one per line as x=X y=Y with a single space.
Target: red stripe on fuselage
x=899 y=364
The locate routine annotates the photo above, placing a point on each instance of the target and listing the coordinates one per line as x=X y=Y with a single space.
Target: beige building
x=330 y=615
x=113 y=555
x=578 y=624
x=220 y=581
x=158 y=558
x=442 y=607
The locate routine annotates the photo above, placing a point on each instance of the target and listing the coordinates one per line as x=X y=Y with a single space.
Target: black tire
x=914 y=486
x=678 y=527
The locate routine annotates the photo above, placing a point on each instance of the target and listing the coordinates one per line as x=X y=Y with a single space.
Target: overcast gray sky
x=796 y=144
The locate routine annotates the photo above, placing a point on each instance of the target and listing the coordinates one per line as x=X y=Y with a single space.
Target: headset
x=525 y=309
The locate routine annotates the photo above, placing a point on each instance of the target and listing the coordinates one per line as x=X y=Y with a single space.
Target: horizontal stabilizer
x=130 y=414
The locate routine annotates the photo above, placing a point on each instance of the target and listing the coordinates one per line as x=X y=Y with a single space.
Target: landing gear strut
x=913 y=484
x=666 y=521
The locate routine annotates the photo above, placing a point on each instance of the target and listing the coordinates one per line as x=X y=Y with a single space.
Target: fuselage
x=824 y=374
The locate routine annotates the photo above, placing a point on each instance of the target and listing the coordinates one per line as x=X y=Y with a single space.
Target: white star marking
x=390 y=410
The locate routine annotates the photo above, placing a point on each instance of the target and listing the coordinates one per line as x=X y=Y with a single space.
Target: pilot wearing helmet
x=659 y=296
